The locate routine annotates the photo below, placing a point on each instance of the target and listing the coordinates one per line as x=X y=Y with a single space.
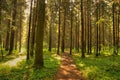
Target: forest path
x=68 y=69
x=14 y=62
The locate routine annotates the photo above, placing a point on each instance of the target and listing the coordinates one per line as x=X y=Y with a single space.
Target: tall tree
x=71 y=32
x=0 y=30
x=90 y=30
x=117 y=25
x=13 y=27
x=97 y=33
x=50 y=31
x=114 y=27
x=82 y=32
x=103 y=24
x=0 y=24
x=38 y=62
x=29 y=30
x=8 y=36
x=34 y=17
x=63 y=31
x=59 y=28
x=89 y=25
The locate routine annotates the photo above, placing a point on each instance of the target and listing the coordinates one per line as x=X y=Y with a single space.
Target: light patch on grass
x=88 y=70
x=56 y=56
x=14 y=62
x=81 y=64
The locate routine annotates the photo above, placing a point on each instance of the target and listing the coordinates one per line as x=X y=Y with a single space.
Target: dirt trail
x=14 y=62
x=68 y=70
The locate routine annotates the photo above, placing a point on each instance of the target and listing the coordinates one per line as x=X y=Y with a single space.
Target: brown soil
x=68 y=69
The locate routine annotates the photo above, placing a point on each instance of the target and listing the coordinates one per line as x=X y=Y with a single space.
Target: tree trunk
x=1 y=51
x=88 y=26
x=117 y=27
x=16 y=38
x=63 y=35
x=7 y=36
x=71 y=38
x=0 y=26
x=114 y=31
x=103 y=27
x=97 y=30
x=82 y=32
x=12 y=38
x=33 y=29
x=29 y=30
x=33 y=39
x=78 y=44
x=38 y=62
x=20 y=31
x=59 y=31
x=50 y=32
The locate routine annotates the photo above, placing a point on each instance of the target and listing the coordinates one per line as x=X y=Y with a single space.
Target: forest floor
x=14 y=62
x=15 y=67
x=68 y=69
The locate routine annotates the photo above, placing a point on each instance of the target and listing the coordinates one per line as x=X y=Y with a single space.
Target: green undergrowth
x=24 y=70
x=101 y=68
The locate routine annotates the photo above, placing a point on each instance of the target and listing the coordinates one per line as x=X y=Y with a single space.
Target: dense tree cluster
x=86 y=26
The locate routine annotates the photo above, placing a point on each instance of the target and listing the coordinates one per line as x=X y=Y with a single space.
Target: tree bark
x=38 y=62
x=82 y=32
x=0 y=26
x=114 y=29
x=50 y=31
x=20 y=31
x=29 y=30
x=59 y=31
x=63 y=35
x=33 y=29
x=12 y=38
x=71 y=37
x=7 y=36
x=97 y=30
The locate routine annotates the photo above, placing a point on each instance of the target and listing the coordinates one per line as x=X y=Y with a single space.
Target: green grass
x=25 y=71
x=101 y=68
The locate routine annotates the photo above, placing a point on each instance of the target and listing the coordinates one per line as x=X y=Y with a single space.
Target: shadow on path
x=68 y=69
